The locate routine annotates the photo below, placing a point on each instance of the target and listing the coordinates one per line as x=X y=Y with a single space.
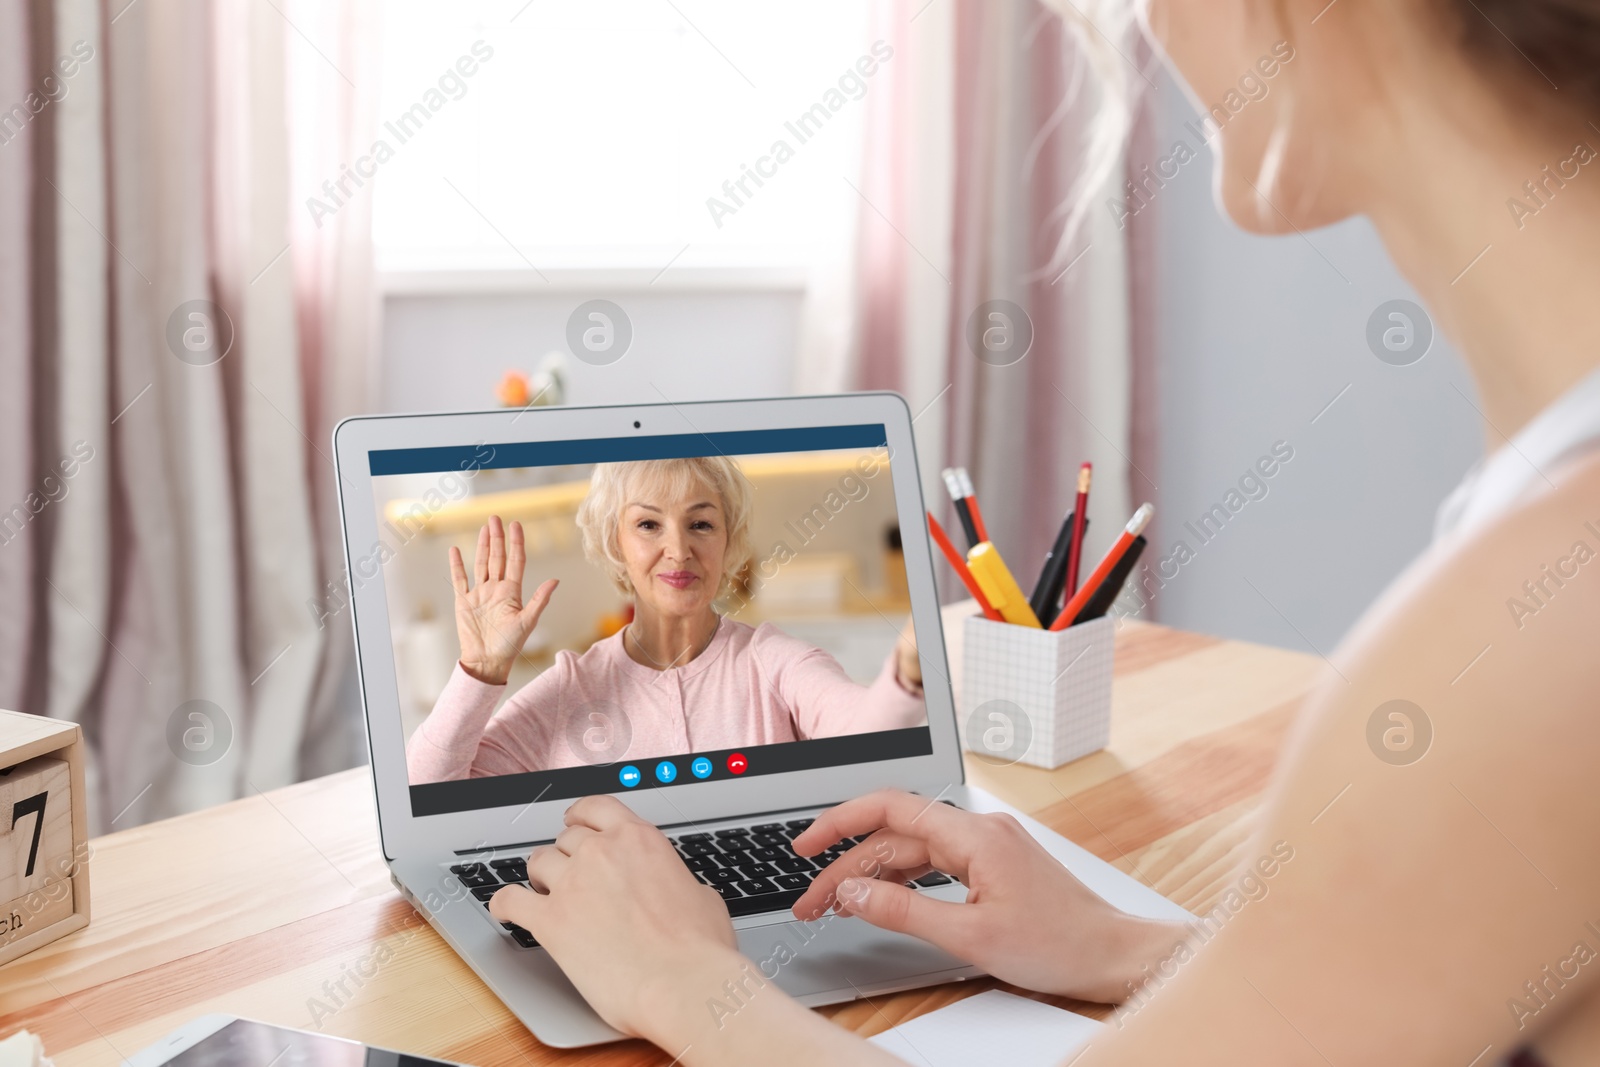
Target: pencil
x=1080 y=513
x=942 y=539
x=1130 y=533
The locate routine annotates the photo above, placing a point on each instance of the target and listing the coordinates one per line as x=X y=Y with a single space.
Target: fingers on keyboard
x=755 y=870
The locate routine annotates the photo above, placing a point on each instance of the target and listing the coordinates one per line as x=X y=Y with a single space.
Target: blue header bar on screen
x=618 y=449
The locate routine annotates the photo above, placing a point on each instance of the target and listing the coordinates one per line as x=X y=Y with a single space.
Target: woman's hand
x=615 y=906
x=492 y=622
x=1027 y=920
x=907 y=667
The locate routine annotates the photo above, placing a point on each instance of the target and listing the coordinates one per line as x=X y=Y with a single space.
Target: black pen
x=1111 y=588
x=1046 y=598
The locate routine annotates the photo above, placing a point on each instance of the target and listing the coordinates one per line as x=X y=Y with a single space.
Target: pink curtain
x=1018 y=116
x=19 y=587
x=186 y=349
x=883 y=252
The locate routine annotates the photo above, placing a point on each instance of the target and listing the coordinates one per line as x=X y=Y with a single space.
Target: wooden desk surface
x=259 y=907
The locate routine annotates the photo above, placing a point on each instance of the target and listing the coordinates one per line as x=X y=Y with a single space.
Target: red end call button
x=737 y=763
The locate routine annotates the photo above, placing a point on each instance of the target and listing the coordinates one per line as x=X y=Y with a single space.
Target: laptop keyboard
x=753 y=868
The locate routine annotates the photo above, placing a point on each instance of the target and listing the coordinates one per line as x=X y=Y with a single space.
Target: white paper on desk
x=992 y=1027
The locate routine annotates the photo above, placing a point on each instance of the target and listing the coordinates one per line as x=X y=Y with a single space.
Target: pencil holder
x=1033 y=696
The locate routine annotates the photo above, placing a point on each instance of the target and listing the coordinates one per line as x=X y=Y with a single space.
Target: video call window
x=723 y=605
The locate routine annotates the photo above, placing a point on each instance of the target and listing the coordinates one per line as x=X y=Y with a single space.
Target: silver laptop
x=839 y=563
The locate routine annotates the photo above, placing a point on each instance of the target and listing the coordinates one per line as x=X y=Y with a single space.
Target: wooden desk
x=260 y=906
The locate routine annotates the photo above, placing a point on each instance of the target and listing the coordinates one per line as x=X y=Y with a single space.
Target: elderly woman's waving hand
x=492 y=622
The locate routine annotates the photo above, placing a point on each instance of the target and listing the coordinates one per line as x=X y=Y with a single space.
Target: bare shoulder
x=1455 y=740
x=1440 y=781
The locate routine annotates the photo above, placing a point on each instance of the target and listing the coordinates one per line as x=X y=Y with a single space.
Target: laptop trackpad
x=840 y=955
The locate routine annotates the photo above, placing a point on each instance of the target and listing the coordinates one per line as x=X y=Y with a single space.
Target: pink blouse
x=751 y=686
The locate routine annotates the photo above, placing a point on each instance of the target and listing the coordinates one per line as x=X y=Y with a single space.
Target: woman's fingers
x=546 y=864
x=497 y=549
x=458 y=572
x=909 y=665
x=908 y=636
x=537 y=602
x=956 y=928
x=502 y=553
x=824 y=894
x=902 y=812
x=884 y=853
x=480 y=558
x=516 y=552
x=515 y=904
x=569 y=840
x=600 y=812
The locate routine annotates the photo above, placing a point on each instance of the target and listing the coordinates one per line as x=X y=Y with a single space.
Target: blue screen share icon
x=701 y=767
x=666 y=771
x=629 y=776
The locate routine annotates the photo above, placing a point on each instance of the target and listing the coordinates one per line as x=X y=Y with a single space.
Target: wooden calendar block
x=44 y=870
x=35 y=826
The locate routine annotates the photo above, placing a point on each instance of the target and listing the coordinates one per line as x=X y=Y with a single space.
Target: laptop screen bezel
x=405 y=834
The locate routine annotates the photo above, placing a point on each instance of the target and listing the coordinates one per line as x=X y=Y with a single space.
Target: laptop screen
x=724 y=606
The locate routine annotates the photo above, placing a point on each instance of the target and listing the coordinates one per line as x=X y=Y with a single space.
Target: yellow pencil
x=1001 y=589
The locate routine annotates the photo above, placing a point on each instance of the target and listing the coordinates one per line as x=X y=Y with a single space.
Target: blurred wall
x=445 y=350
x=1256 y=337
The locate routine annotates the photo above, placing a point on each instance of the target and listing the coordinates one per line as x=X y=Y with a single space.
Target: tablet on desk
x=229 y=1041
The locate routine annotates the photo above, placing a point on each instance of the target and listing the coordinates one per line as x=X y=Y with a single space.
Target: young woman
x=1443 y=912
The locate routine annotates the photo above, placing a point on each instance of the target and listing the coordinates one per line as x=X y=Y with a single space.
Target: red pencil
x=1080 y=513
x=941 y=539
x=1135 y=527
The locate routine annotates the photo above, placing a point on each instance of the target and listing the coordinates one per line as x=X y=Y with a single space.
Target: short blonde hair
x=613 y=485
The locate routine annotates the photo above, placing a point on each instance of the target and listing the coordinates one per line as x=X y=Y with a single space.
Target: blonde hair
x=1107 y=35
x=614 y=485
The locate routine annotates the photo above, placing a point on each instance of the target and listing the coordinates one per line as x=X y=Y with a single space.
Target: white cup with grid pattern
x=1032 y=696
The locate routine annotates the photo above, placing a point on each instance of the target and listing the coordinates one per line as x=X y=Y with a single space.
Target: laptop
x=838 y=569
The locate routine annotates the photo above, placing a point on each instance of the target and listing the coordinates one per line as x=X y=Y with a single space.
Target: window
x=616 y=133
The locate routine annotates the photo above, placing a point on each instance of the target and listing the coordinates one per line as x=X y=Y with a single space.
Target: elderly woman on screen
x=671 y=534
